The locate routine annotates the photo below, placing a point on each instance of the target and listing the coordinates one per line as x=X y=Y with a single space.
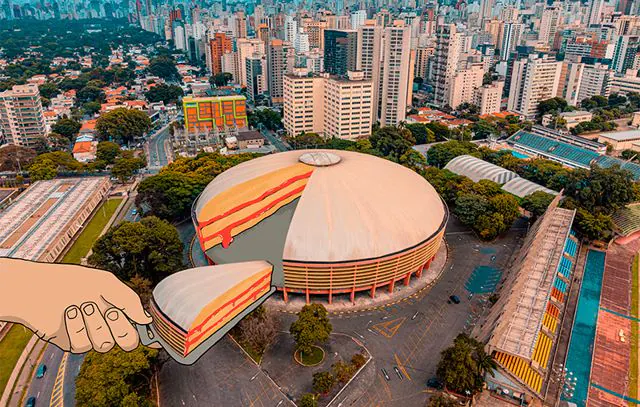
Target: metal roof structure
x=521 y=187
x=477 y=169
x=627 y=219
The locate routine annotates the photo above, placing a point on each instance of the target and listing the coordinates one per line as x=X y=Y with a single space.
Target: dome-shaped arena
x=329 y=221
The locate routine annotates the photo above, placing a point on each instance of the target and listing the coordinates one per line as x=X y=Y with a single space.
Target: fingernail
x=72 y=313
x=88 y=309
x=147 y=314
x=113 y=315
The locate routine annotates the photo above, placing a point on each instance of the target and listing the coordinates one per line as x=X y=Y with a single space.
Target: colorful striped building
x=523 y=326
x=202 y=114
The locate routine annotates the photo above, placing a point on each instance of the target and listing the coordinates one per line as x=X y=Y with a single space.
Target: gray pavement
x=393 y=336
x=224 y=376
x=274 y=140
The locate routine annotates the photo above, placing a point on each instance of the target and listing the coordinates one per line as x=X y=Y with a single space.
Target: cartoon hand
x=76 y=308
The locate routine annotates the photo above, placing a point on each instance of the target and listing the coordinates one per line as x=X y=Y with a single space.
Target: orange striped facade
x=202 y=114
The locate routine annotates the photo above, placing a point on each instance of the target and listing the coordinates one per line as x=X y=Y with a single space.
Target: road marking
x=389 y=328
x=57 y=395
x=401 y=367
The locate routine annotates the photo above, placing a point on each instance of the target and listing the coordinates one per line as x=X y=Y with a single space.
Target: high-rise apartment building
x=276 y=66
x=625 y=54
x=464 y=83
x=220 y=44
x=445 y=63
x=422 y=61
x=595 y=81
x=397 y=74
x=255 y=69
x=21 y=116
x=246 y=47
x=549 y=24
x=358 y=18
x=533 y=79
x=370 y=58
x=340 y=51
x=571 y=74
x=332 y=106
x=240 y=25
x=488 y=97
x=510 y=39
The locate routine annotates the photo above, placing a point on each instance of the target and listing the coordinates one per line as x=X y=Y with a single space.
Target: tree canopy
x=392 y=142
x=66 y=127
x=311 y=327
x=151 y=249
x=440 y=154
x=462 y=366
x=122 y=125
x=164 y=93
x=116 y=378
x=15 y=158
x=164 y=67
x=108 y=151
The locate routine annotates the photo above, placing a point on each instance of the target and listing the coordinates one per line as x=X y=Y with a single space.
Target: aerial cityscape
x=320 y=203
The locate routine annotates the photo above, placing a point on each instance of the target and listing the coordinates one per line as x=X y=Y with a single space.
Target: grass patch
x=310 y=358
x=633 y=357
x=11 y=348
x=91 y=232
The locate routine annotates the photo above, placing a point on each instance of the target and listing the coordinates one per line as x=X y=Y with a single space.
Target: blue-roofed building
x=567 y=154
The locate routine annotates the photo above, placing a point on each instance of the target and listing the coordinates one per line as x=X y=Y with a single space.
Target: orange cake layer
x=245 y=205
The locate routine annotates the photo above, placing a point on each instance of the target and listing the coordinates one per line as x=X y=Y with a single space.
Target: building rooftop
x=249 y=135
x=622 y=135
x=477 y=169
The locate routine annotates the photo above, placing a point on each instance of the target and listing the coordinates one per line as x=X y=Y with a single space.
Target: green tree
x=49 y=90
x=421 y=133
x=221 y=79
x=343 y=372
x=164 y=67
x=62 y=161
x=168 y=195
x=323 y=382
x=462 y=366
x=124 y=168
x=308 y=400
x=108 y=151
x=43 y=170
x=440 y=154
x=537 y=203
x=440 y=400
x=69 y=128
x=553 y=105
x=15 y=158
x=305 y=140
x=116 y=378
x=358 y=360
x=392 y=142
x=595 y=226
x=413 y=159
x=164 y=93
x=90 y=93
x=123 y=125
x=470 y=206
x=311 y=327
x=91 y=108
x=267 y=117
x=151 y=249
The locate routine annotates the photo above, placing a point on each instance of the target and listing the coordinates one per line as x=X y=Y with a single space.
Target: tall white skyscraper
x=511 y=35
x=370 y=58
x=290 y=29
x=445 y=63
x=549 y=24
x=358 y=18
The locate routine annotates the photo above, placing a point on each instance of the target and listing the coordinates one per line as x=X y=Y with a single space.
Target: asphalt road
x=159 y=150
x=395 y=338
x=274 y=140
x=42 y=388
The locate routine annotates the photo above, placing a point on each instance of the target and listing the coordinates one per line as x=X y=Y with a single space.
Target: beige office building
x=328 y=105
x=21 y=116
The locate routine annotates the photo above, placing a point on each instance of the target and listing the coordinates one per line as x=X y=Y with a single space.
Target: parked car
x=435 y=383
x=31 y=402
x=454 y=299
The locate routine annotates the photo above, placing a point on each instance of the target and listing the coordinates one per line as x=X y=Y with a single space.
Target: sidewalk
x=28 y=359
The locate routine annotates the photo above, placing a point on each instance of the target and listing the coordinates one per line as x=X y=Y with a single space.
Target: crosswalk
x=57 y=395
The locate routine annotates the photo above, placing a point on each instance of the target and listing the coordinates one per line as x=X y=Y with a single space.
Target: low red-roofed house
x=85 y=151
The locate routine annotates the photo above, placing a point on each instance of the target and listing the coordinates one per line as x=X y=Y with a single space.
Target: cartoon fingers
x=89 y=329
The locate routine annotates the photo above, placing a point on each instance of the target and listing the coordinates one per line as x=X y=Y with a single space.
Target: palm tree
x=485 y=363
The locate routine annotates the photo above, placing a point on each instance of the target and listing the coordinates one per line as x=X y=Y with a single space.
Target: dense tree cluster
x=267 y=117
x=169 y=194
x=122 y=125
x=257 y=330
x=164 y=66
x=164 y=93
x=150 y=249
x=117 y=378
x=15 y=158
x=462 y=366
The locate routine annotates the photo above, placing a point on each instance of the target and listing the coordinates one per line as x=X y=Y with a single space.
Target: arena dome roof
x=354 y=206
